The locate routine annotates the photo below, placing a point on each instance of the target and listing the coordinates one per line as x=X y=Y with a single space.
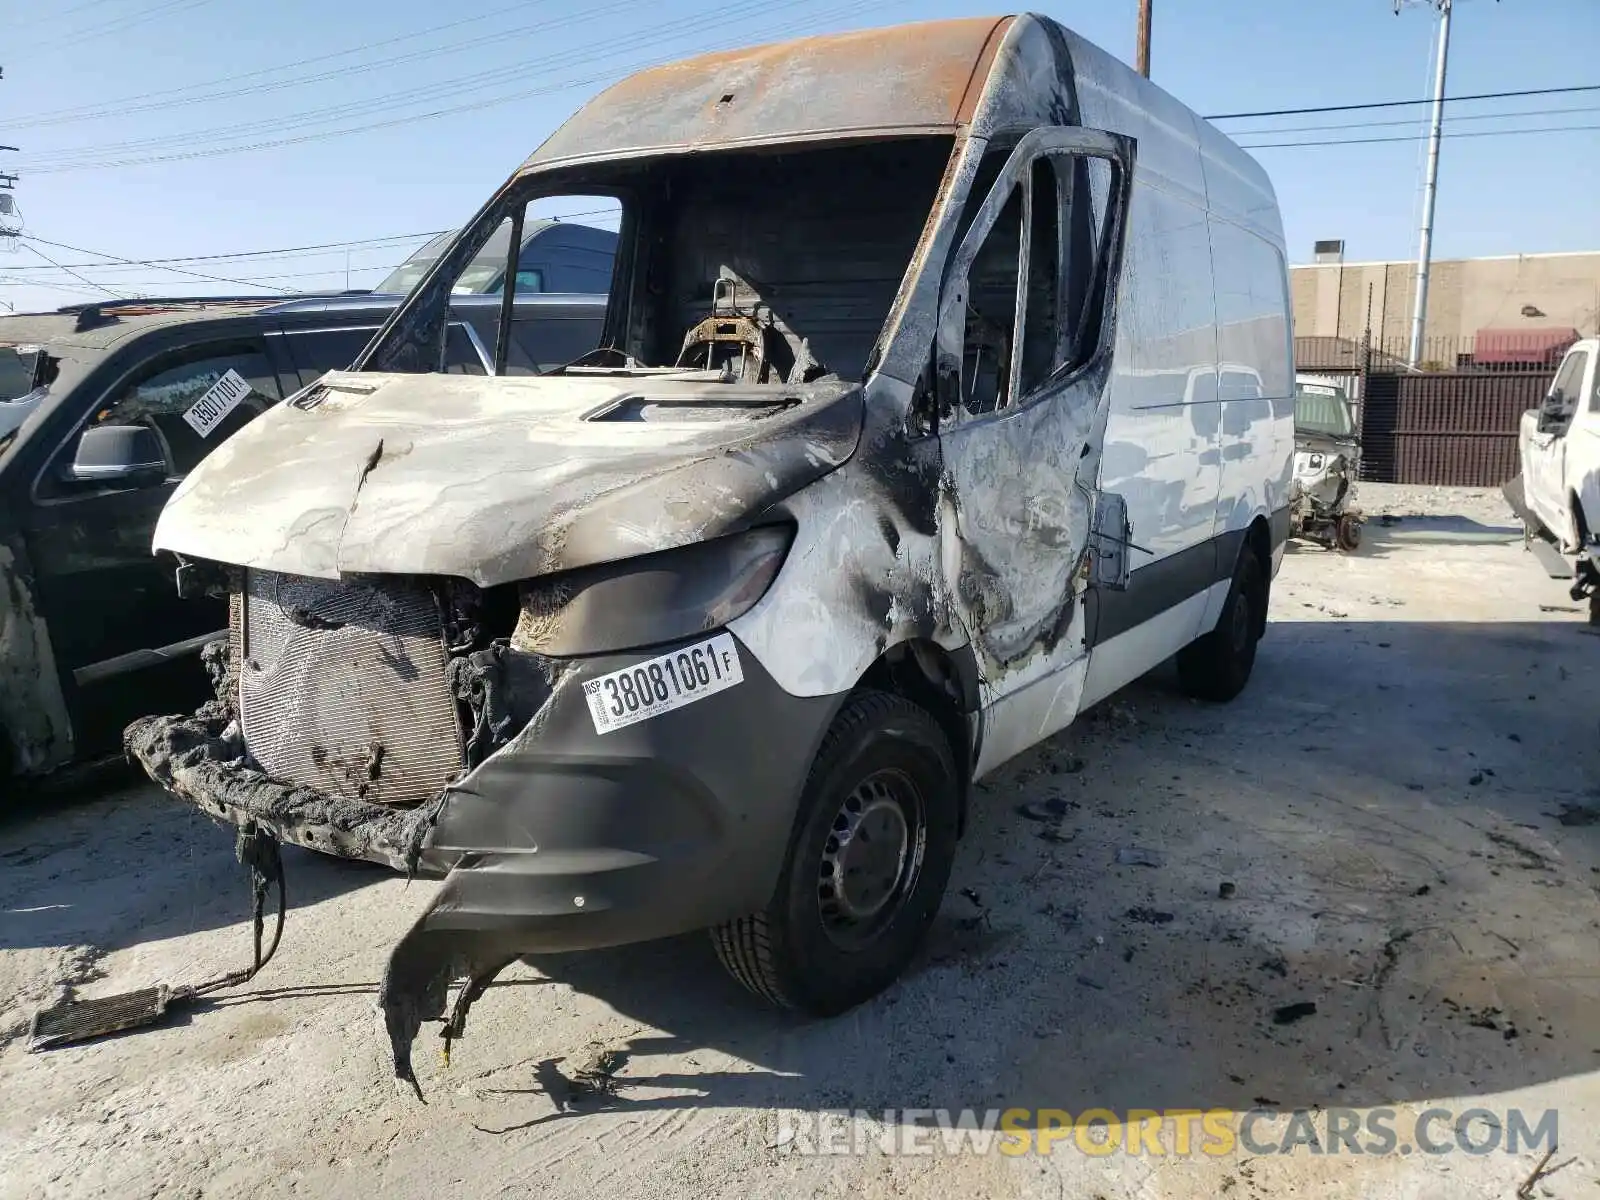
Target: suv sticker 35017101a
x=658 y=685
x=221 y=398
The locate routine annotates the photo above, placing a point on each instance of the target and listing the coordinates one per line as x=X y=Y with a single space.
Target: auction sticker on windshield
x=659 y=685
x=221 y=398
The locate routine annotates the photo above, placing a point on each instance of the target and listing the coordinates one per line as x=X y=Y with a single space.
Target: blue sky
x=79 y=77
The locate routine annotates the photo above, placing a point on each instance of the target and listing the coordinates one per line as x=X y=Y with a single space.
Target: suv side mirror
x=128 y=454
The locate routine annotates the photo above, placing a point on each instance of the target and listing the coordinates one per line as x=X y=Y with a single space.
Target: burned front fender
x=567 y=838
x=563 y=838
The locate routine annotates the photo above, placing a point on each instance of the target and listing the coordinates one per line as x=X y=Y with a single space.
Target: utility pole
x=1430 y=192
x=10 y=222
x=1142 y=54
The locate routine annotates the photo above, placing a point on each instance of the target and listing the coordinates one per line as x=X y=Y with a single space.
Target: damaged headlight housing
x=652 y=599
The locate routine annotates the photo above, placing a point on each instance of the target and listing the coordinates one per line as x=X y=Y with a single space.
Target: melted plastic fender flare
x=416 y=983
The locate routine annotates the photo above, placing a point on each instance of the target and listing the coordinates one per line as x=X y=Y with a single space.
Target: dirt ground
x=1399 y=800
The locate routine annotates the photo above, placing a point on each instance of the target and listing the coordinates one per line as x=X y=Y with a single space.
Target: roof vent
x=1330 y=251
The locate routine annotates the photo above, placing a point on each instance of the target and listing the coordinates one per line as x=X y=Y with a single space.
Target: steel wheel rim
x=871 y=859
x=1240 y=631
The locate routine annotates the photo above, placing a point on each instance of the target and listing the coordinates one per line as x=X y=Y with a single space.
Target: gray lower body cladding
x=561 y=839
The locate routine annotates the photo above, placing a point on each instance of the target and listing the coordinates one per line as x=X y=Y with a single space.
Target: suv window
x=540 y=343
x=162 y=392
x=315 y=352
x=1239 y=385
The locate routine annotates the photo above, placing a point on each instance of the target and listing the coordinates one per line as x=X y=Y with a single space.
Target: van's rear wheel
x=1217 y=665
x=866 y=867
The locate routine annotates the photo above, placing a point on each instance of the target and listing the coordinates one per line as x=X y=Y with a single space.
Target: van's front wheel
x=1217 y=665
x=866 y=867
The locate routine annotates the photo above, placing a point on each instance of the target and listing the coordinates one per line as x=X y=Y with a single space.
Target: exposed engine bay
x=442 y=686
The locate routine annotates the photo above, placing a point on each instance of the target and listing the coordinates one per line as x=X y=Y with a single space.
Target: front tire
x=1217 y=665
x=866 y=868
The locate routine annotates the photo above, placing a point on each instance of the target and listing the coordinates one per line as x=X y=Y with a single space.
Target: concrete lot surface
x=1401 y=801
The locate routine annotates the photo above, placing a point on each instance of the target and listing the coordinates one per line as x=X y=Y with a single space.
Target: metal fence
x=1445 y=427
x=1470 y=355
x=1438 y=425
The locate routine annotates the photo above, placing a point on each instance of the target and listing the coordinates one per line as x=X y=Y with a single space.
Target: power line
x=1411 y=121
x=676 y=28
x=179 y=97
x=1471 y=133
x=670 y=32
x=20 y=281
x=124 y=103
x=67 y=12
x=327 y=273
x=118 y=24
x=97 y=286
x=30 y=238
x=288 y=250
x=455 y=86
x=1330 y=108
x=284 y=252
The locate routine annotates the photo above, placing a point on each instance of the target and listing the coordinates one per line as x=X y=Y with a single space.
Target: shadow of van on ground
x=1409 y=916
x=131 y=865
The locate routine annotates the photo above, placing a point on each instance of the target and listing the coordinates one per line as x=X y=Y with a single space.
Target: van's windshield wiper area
x=634 y=370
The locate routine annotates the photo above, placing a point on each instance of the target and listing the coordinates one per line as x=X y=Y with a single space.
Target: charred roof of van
x=919 y=77
x=978 y=75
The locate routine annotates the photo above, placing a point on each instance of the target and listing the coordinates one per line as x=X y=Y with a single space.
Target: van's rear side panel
x=1200 y=435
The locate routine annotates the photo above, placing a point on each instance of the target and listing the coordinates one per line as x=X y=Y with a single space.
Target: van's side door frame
x=1020 y=498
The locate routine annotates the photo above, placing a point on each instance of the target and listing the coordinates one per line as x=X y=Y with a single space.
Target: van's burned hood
x=499 y=479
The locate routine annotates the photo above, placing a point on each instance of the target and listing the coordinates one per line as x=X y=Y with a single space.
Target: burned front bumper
x=563 y=838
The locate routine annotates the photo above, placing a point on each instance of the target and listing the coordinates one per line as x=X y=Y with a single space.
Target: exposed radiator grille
x=235 y=631
x=342 y=688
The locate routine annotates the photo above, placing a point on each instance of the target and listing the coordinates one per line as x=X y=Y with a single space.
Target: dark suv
x=103 y=409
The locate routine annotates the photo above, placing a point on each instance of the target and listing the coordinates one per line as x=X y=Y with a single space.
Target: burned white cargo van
x=944 y=389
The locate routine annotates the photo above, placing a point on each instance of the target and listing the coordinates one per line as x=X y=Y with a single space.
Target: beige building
x=1516 y=292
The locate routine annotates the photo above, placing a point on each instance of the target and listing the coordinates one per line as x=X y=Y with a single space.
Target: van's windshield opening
x=772 y=266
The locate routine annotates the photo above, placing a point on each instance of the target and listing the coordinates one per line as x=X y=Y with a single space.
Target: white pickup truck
x=1559 y=444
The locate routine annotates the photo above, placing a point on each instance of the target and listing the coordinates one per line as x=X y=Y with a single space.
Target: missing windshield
x=773 y=266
